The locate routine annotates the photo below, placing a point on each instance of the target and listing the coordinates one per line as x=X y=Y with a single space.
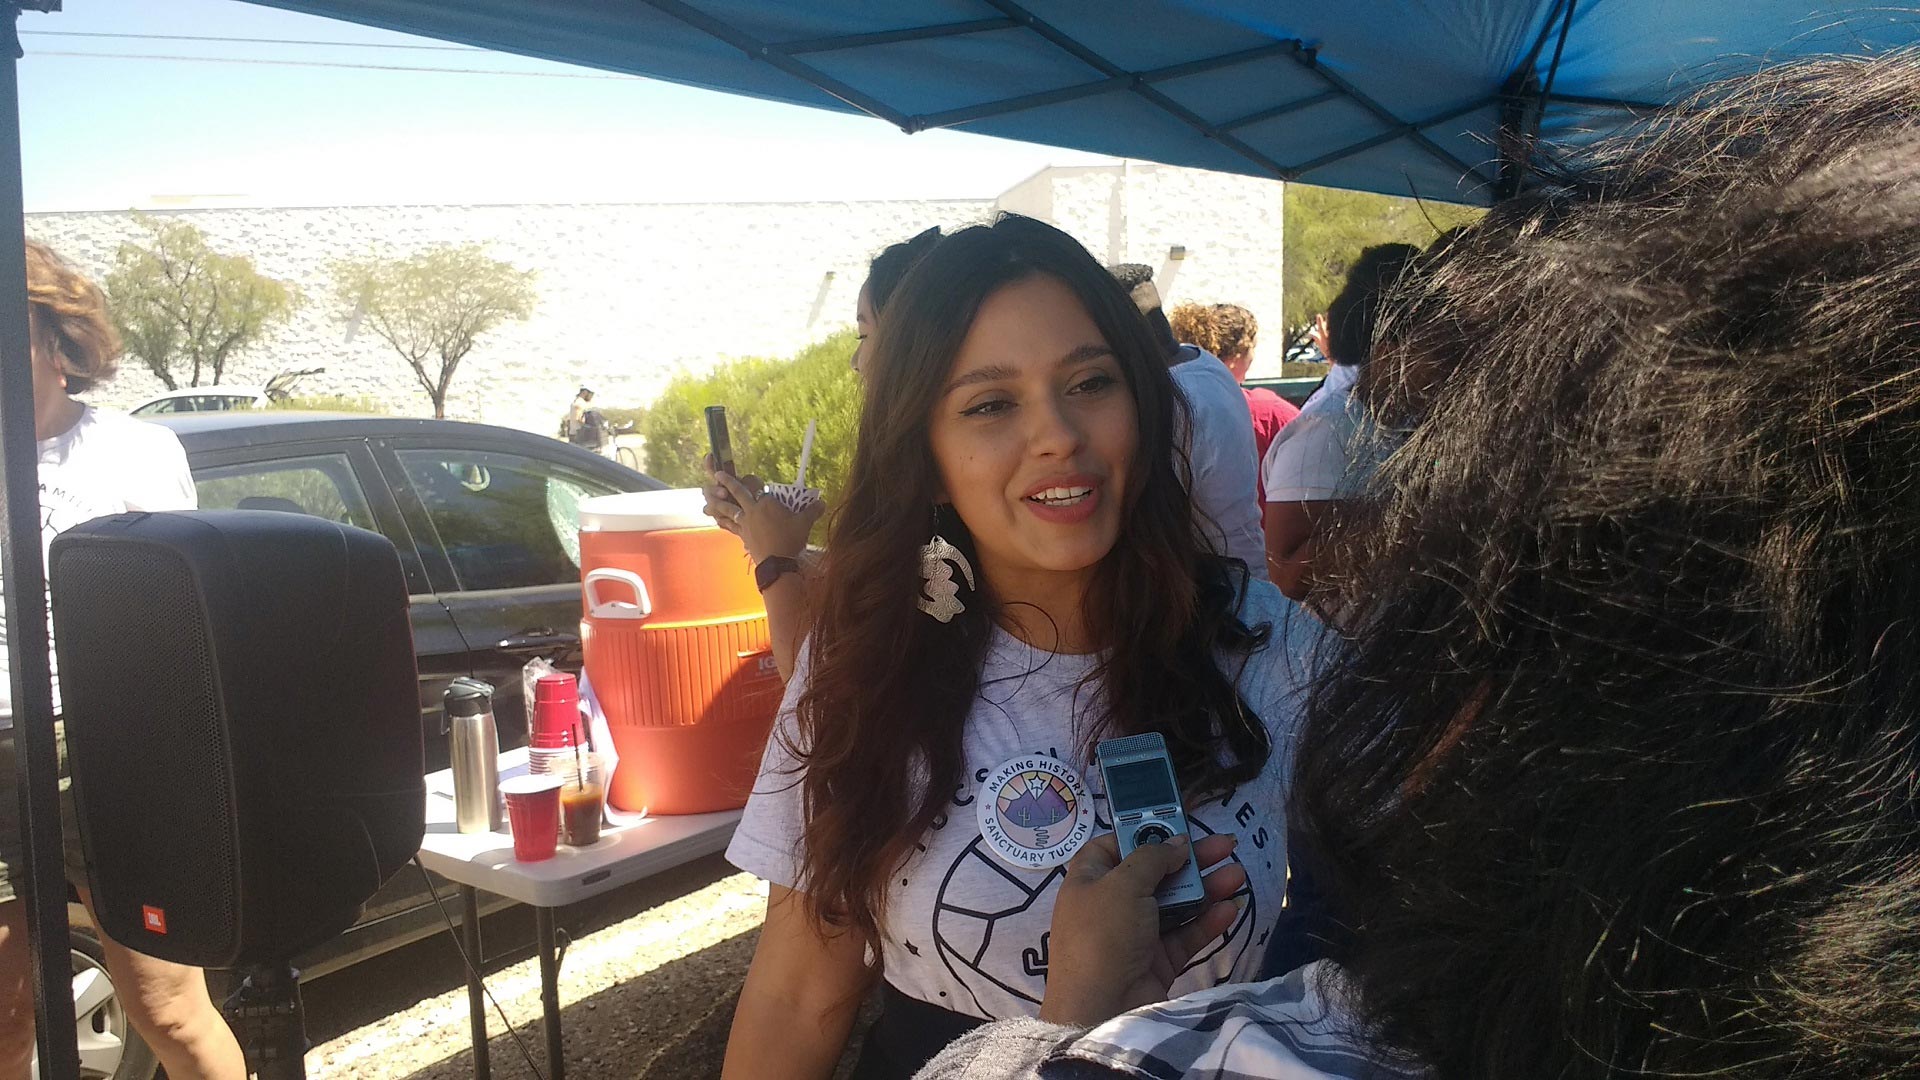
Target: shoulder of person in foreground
x=1290 y=1028
x=1017 y=1049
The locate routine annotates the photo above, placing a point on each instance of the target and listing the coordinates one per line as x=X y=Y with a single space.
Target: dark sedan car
x=484 y=519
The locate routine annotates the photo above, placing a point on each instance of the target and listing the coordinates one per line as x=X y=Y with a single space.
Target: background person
x=1230 y=332
x=573 y=424
x=1217 y=443
x=1616 y=778
x=776 y=537
x=986 y=617
x=93 y=464
x=1313 y=462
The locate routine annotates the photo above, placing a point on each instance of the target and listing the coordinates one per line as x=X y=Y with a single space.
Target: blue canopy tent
x=1443 y=99
x=1435 y=98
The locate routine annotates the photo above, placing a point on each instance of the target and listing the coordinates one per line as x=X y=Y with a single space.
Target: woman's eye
x=1095 y=384
x=987 y=408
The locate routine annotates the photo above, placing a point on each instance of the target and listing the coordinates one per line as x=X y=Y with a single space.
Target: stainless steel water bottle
x=475 y=745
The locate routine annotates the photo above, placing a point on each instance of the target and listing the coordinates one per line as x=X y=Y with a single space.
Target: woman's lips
x=1065 y=503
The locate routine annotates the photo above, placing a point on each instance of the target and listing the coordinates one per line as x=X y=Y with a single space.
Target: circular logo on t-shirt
x=1035 y=812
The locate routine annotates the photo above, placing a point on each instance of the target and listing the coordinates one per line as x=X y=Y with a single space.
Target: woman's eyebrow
x=995 y=372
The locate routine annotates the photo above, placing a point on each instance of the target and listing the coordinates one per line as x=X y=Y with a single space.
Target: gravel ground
x=647 y=989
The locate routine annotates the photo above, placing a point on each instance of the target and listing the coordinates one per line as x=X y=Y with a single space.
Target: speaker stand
x=269 y=1021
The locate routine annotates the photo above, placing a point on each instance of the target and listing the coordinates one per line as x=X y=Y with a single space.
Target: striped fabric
x=1289 y=1028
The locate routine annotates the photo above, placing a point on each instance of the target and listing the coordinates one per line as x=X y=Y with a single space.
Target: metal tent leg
x=476 y=991
x=550 y=991
x=24 y=585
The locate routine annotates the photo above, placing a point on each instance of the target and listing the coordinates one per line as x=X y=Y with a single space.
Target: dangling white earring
x=939 y=594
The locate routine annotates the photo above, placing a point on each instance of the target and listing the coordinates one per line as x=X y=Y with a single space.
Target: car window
x=164 y=405
x=322 y=485
x=506 y=521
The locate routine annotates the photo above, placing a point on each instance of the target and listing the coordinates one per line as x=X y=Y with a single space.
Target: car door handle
x=538 y=642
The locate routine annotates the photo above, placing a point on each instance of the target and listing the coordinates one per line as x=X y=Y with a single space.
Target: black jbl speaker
x=243 y=723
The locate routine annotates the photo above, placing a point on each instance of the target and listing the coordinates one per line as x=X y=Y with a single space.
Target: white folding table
x=476 y=861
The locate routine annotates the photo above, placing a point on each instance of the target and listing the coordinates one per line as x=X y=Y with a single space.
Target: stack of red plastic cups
x=556 y=724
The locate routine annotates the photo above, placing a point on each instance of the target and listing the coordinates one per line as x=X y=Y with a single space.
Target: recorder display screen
x=1140 y=783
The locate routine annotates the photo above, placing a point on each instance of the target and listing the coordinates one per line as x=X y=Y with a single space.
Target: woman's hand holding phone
x=721 y=506
x=764 y=525
x=1106 y=954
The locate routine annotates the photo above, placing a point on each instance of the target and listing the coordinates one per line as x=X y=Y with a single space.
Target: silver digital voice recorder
x=1144 y=800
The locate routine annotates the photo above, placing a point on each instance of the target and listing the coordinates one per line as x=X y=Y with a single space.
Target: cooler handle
x=617 y=609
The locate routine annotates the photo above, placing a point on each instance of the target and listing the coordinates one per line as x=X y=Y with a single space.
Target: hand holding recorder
x=1108 y=954
x=1133 y=908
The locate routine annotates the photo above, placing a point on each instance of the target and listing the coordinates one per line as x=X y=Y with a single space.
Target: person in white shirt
x=1315 y=461
x=575 y=419
x=1218 y=437
x=93 y=464
x=1014 y=575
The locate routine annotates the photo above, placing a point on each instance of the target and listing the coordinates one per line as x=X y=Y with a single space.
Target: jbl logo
x=154 y=918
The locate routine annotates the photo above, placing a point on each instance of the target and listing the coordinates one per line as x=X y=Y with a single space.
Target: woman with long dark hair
x=1015 y=575
x=1619 y=772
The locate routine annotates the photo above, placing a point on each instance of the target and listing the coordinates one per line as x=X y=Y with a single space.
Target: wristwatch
x=772 y=569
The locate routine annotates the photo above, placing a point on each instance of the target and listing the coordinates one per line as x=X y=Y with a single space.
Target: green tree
x=1326 y=229
x=768 y=405
x=185 y=310
x=432 y=307
x=817 y=384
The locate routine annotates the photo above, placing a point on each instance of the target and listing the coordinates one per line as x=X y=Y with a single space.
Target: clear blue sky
x=109 y=133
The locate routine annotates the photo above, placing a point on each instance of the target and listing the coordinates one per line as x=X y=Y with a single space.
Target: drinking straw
x=579 y=766
x=806 y=452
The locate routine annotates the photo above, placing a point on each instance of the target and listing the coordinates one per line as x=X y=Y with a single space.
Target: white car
x=205 y=399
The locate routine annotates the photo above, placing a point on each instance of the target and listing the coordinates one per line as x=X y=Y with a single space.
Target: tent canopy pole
x=23 y=581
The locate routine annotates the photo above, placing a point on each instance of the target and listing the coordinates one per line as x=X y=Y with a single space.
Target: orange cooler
x=676 y=644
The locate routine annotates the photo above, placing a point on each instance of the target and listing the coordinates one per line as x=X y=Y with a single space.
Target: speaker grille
x=136 y=654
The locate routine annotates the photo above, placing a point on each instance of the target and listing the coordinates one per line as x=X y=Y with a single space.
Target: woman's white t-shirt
x=968 y=916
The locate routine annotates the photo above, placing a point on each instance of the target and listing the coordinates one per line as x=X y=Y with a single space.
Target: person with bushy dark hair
x=1616 y=774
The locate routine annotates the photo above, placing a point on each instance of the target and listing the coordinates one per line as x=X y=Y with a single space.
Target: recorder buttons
x=1152 y=834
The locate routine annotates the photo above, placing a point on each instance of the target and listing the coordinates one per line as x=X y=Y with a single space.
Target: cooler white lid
x=645 y=511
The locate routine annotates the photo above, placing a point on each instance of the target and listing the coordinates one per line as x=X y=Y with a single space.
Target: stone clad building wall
x=630 y=295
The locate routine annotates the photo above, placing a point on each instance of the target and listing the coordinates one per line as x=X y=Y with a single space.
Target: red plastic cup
x=533 y=812
x=556 y=709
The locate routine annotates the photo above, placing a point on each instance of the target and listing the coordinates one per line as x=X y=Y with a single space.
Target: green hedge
x=337 y=403
x=768 y=405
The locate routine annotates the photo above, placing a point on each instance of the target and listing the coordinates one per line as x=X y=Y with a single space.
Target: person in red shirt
x=1228 y=331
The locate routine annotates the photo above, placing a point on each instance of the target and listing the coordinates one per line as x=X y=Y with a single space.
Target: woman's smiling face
x=1035 y=435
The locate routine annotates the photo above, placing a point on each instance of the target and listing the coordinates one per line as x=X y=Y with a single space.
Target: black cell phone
x=721 y=442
